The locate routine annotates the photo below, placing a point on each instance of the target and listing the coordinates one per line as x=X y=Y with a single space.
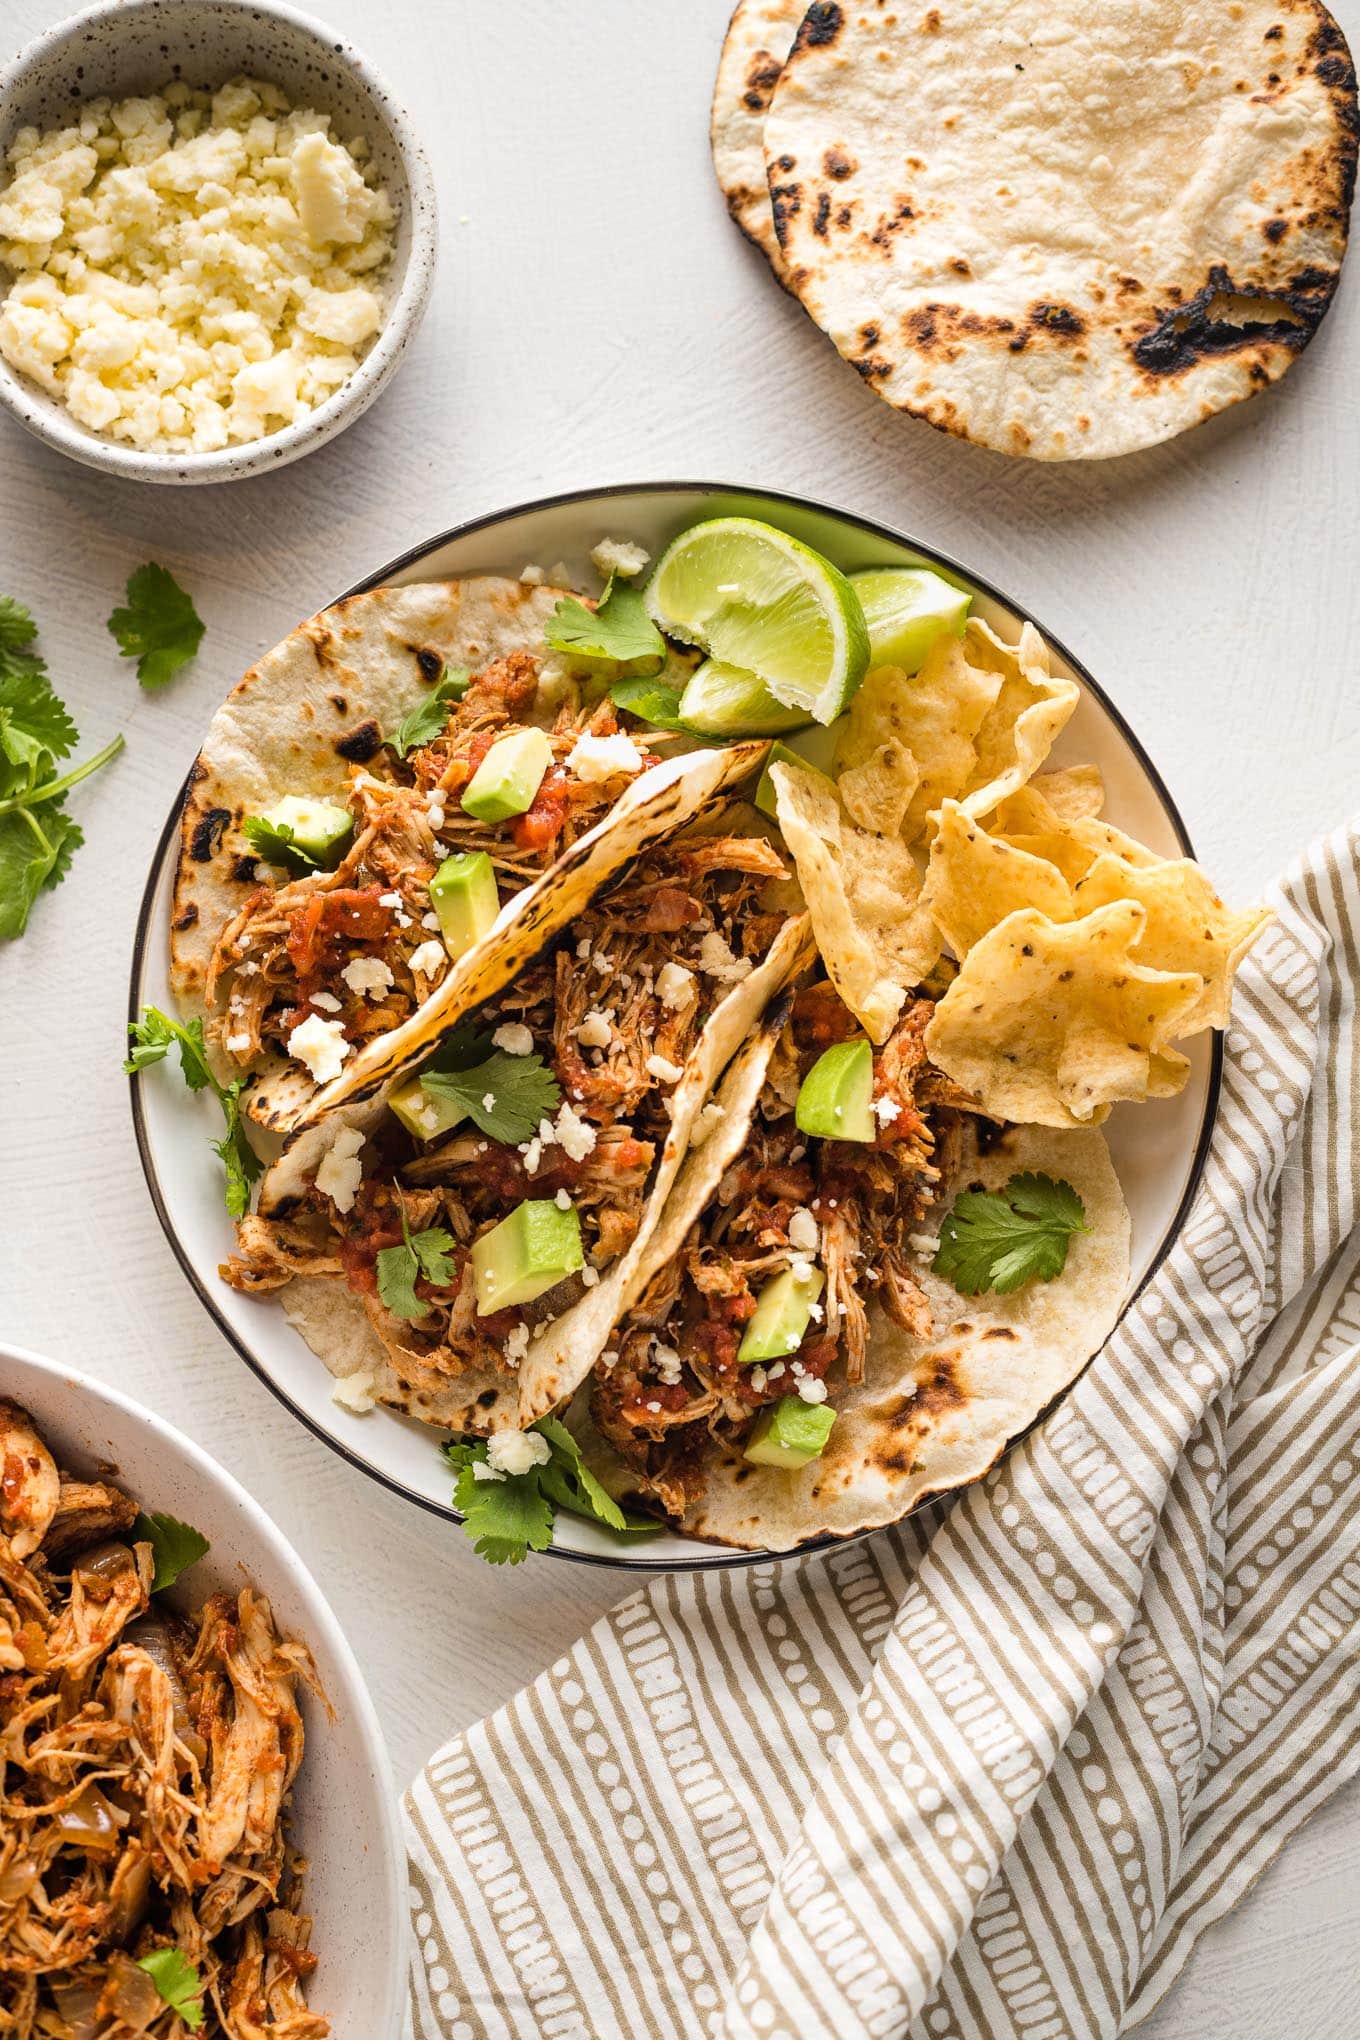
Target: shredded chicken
x=677 y=1381
x=294 y=939
x=146 y=1763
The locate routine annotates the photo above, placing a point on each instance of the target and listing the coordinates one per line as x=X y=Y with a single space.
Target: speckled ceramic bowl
x=344 y=1805
x=128 y=46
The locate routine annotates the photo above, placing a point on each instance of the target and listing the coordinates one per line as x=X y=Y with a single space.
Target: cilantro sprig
x=509 y=1516
x=175 y=1546
x=37 y=836
x=522 y=1090
x=153 y=1037
x=617 y=628
x=158 y=626
x=398 y=1269
x=178 y=1982
x=1001 y=1239
x=426 y=721
x=277 y=843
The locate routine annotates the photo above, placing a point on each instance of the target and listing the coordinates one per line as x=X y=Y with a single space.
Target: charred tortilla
x=1062 y=231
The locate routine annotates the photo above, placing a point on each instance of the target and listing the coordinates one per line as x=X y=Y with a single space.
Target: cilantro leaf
x=277 y=843
x=153 y=1036
x=1002 y=1239
x=509 y=1517
x=464 y=1044
x=400 y=1268
x=652 y=701
x=37 y=837
x=159 y=627
x=17 y=627
x=571 y=1484
x=175 y=1546
x=178 y=1982
x=522 y=1090
x=32 y=718
x=506 y=1519
x=35 y=854
x=426 y=721
x=618 y=628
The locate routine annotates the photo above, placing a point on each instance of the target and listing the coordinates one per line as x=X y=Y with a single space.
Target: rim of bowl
x=403 y=312
x=319 y=1614
x=707 y=1558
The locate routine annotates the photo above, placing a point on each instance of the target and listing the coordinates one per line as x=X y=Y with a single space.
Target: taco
x=442 y=1238
x=793 y=1361
x=393 y=809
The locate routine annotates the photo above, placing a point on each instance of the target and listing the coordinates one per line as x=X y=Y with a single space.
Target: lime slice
x=906 y=610
x=724 y=701
x=755 y=598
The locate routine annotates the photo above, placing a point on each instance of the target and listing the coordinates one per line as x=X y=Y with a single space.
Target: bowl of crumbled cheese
x=217 y=237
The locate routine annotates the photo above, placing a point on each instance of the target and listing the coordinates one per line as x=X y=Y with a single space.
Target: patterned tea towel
x=992 y=1772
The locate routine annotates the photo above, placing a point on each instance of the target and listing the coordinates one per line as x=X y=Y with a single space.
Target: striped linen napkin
x=992 y=1772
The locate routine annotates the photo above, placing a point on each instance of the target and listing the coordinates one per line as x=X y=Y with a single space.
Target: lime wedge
x=906 y=609
x=724 y=701
x=753 y=597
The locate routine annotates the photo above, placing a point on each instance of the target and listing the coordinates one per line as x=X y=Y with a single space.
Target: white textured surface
x=595 y=319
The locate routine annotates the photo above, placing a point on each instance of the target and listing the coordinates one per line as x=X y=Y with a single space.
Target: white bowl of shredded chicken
x=217 y=236
x=197 y=1742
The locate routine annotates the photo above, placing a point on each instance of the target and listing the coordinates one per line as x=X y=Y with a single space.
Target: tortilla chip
x=1073 y=791
x=1031 y=821
x=864 y=895
x=1188 y=927
x=934 y=716
x=1049 y=1024
x=1020 y=728
x=974 y=880
x=973 y=725
x=878 y=791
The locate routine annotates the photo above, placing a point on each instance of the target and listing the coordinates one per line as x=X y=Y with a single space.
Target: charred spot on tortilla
x=361 y=743
x=431 y=664
x=186 y=916
x=206 y=839
x=243 y=869
x=761 y=79
x=1224 y=317
x=821 y=25
x=839 y=163
x=339 y=704
x=1056 y=318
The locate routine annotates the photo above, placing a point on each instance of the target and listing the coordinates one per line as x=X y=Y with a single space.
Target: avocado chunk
x=318 y=827
x=815 y=747
x=781 y=1316
x=509 y=776
x=533 y=1250
x=835 y=1098
x=422 y=1115
x=464 y=896
x=907 y=609
x=791 y=1433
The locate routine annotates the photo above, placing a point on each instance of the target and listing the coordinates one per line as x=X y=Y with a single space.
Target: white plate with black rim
x=1158 y=1148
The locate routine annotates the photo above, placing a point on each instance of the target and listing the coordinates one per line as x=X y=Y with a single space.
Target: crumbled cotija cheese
x=593 y=759
x=340 y=1171
x=192 y=270
x=618 y=556
x=321 y=1045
